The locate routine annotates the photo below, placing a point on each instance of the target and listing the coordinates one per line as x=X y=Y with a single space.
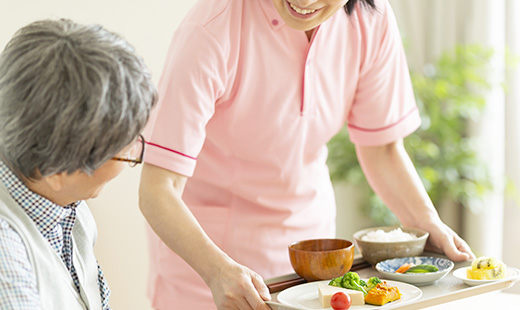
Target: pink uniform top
x=247 y=105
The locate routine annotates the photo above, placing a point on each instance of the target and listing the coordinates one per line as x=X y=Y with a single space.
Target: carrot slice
x=404 y=268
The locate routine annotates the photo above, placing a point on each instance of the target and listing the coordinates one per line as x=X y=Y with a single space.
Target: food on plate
x=371 y=283
x=486 y=268
x=340 y=301
x=404 y=268
x=373 y=291
x=394 y=235
x=352 y=281
x=422 y=268
x=326 y=292
x=382 y=294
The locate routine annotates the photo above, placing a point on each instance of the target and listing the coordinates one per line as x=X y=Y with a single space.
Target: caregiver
x=251 y=92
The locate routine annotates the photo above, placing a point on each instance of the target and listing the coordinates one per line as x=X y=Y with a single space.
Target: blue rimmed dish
x=388 y=267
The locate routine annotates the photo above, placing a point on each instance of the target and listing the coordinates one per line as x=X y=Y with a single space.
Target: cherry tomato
x=340 y=301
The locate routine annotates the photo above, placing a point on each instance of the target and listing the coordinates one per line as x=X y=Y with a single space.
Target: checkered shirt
x=18 y=285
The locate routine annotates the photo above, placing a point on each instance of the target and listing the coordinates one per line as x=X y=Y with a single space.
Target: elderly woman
x=73 y=101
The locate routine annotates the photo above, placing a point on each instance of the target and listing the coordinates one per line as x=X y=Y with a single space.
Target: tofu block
x=326 y=291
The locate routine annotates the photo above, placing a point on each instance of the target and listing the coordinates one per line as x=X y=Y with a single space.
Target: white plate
x=305 y=296
x=461 y=274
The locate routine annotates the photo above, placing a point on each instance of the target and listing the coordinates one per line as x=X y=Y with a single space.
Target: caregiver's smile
x=301 y=11
x=306 y=15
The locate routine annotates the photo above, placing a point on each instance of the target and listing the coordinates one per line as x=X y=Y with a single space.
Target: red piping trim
x=167 y=149
x=386 y=127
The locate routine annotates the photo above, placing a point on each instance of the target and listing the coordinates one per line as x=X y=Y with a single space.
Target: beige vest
x=55 y=285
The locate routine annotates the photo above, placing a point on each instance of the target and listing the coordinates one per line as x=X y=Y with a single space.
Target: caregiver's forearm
x=160 y=202
x=392 y=175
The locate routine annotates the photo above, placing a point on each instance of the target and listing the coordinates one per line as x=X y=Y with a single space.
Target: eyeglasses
x=135 y=154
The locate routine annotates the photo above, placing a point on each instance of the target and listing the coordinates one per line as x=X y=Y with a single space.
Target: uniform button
x=274 y=22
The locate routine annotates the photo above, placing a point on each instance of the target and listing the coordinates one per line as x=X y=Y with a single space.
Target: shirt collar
x=43 y=212
x=271 y=14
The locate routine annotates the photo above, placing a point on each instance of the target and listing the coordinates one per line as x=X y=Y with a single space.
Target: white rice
x=391 y=236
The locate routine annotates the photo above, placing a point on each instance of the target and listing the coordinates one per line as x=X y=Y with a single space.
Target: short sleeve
x=192 y=81
x=384 y=107
x=18 y=286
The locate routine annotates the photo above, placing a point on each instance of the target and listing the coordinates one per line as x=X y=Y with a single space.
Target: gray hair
x=71 y=97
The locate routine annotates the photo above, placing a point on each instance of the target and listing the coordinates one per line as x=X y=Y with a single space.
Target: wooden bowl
x=321 y=259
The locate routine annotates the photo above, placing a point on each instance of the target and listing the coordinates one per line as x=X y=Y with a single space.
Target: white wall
x=148 y=25
x=512 y=209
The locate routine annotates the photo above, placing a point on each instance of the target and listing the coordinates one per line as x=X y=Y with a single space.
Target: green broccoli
x=371 y=283
x=336 y=281
x=352 y=281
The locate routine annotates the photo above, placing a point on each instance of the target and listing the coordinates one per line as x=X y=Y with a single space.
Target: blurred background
x=463 y=57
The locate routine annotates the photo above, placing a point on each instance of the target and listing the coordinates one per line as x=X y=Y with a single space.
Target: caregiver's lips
x=300 y=12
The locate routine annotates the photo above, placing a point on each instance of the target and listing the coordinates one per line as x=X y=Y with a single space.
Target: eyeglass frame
x=139 y=160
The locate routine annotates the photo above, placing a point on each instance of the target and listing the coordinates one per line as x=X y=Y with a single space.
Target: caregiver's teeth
x=301 y=11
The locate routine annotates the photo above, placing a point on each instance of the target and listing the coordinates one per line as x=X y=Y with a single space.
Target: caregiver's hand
x=237 y=287
x=444 y=240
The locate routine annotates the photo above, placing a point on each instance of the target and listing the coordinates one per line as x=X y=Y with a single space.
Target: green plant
x=450 y=94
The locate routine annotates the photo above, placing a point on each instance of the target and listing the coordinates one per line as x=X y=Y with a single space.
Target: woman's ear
x=55 y=181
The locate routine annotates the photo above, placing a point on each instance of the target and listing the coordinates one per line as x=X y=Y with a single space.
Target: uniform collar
x=271 y=14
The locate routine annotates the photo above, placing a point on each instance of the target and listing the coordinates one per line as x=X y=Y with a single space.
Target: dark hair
x=349 y=6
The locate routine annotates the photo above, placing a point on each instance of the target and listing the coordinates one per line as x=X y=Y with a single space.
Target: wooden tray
x=442 y=291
